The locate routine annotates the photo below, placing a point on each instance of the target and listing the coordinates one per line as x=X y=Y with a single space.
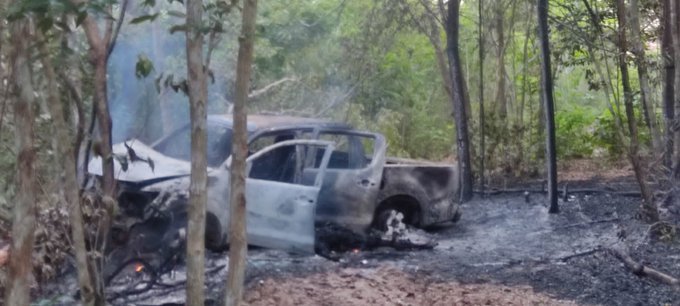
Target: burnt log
x=641 y=270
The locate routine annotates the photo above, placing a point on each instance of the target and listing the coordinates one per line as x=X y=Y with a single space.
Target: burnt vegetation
x=200 y=152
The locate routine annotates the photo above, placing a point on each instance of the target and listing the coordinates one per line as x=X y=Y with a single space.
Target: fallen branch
x=635 y=194
x=588 y=223
x=580 y=254
x=642 y=270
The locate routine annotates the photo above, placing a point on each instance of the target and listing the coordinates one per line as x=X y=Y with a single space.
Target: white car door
x=281 y=207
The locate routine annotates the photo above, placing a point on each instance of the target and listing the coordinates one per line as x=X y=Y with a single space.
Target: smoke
x=298 y=42
x=144 y=108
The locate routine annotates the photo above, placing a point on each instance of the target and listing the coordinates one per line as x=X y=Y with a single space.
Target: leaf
x=144 y=18
x=178 y=28
x=149 y=3
x=144 y=66
x=151 y=164
x=122 y=160
x=45 y=24
x=157 y=83
x=81 y=18
x=179 y=14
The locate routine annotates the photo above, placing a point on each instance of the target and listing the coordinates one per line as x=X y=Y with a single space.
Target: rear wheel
x=402 y=207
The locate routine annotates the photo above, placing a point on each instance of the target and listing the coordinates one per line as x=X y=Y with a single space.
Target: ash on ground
x=501 y=243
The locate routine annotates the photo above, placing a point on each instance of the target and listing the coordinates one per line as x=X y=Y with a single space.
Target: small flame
x=355 y=251
x=139 y=267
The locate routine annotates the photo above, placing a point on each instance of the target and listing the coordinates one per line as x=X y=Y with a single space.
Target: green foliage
x=574 y=132
x=144 y=66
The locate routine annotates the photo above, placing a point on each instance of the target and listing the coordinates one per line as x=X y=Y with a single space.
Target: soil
x=506 y=250
x=387 y=286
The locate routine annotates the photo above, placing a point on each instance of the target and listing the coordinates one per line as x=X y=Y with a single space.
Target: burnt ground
x=501 y=240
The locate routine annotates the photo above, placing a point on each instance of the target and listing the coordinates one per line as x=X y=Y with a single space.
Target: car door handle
x=366 y=183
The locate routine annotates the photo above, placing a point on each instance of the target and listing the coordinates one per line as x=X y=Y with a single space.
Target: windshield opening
x=178 y=144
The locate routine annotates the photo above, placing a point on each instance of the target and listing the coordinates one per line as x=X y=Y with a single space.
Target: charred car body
x=300 y=173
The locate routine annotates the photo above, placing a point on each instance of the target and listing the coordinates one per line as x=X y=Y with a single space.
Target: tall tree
x=549 y=108
x=480 y=39
x=65 y=154
x=198 y=93
x=499 y=27
x=458 y=96
x=643 y=76
x=675 y=33
x=17 y=291
x=101 y=45
x=633 y=150
x=668 y=80
x=238 y=245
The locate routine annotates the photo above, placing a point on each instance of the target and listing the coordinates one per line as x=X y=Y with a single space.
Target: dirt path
x=387 y=286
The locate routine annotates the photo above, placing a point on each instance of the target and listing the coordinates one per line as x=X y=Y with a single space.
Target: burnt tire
x=381 y=219
x=213 y=233
x=457 y=215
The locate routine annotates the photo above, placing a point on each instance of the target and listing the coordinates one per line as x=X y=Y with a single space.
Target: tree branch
x=260 y=92
x=119 y=24
x=642 y=270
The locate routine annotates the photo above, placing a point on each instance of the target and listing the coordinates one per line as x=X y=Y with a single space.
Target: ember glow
x=139 y=267
x=355 y=251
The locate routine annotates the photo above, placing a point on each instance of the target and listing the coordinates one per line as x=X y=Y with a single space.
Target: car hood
x=145 y=164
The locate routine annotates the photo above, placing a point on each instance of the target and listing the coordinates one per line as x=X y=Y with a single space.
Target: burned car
x=301 y=172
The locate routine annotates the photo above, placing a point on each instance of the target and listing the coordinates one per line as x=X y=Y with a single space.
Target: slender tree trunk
x=65 y=154
x=198 y=92
x=645 y=90
x=640 y=173
x=237 y=224
x=501 y=100
x=668 y=81
x=459 y=112
x=480 y=41
x=99 y=45
x=17 y=291
x=547 y=97
x=98 y=59
x=675 y=33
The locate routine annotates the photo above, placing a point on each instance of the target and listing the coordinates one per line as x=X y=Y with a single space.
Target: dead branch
x=259 y=92
x=634 y=194
x=642 y=270
x=579 y=254
x=588 y=223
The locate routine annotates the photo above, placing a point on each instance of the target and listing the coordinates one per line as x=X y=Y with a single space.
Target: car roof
x=264 y=122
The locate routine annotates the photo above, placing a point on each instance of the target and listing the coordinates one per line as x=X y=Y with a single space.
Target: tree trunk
x=668 y=81
x=675 y=33
x=459 y=112
x=501 y=101
x=549 y=108
x=645 y=90
x=98 y=58
x=238 y=245
x=634 y=155
x=65 y=154
x=480 y=41
x=17 y=291
x=198 y=92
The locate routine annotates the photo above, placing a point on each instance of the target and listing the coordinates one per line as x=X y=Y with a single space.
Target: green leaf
x=45 y=24
x=144 y=18
x=178 y=28
x=144 y=66
x=81 y=18
x=177 y=14
x=149 y=3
